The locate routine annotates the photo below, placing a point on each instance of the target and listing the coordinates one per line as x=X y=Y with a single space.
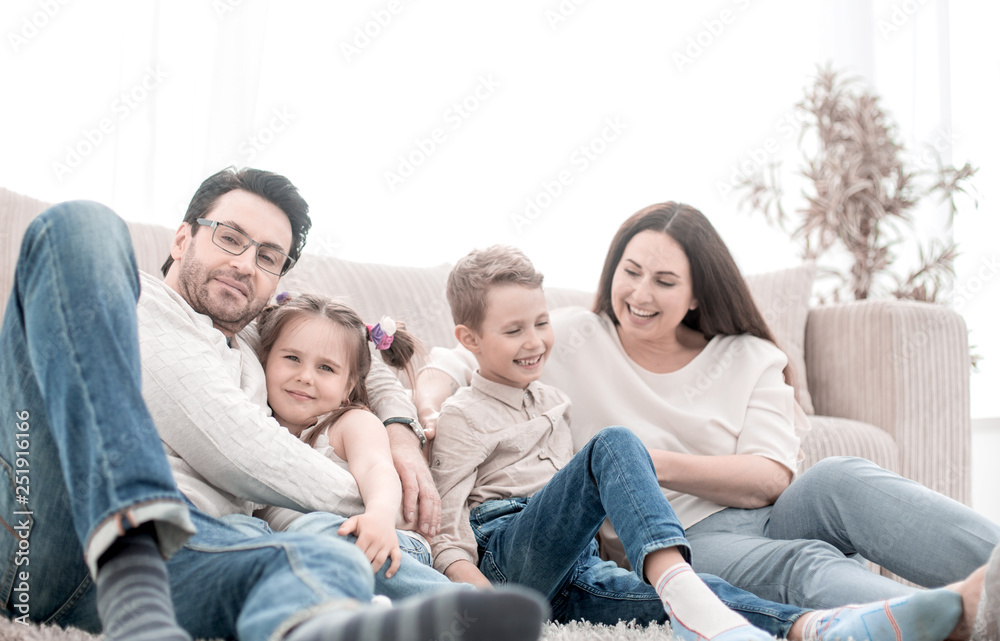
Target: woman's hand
x=739 y=480
x=466 y=572
x=376 y=539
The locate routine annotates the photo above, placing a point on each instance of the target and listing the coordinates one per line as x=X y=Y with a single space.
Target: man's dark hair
x=270 y=186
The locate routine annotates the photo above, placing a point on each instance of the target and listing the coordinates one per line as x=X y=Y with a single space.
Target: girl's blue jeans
x=414 y=577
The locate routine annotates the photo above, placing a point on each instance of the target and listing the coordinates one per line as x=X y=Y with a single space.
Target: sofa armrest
x=903 y=366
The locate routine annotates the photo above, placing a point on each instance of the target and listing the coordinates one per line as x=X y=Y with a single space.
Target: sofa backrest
x=151 y=242
x=415 y=295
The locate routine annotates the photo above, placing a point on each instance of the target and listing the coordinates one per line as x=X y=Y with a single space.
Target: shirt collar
x=511 y=396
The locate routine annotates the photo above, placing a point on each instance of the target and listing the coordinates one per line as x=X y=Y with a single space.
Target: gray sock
x=133 y=592
x=465 y=614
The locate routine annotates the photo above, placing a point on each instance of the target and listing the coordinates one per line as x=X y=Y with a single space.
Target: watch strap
x=417 y=428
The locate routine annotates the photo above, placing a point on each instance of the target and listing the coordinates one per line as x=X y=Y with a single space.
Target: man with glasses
x=269 y=258
x=91 y=383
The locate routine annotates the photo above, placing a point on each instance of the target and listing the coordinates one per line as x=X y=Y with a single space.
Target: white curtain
x=145 y=98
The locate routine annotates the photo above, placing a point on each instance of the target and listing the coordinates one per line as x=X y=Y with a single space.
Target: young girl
x=316 y=358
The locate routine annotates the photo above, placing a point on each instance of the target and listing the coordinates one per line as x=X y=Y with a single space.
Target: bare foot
x=971 y=590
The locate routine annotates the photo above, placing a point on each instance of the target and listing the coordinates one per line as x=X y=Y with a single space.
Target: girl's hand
x=376 y=539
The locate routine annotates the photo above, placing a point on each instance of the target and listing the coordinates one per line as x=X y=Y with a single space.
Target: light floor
x=986 y=467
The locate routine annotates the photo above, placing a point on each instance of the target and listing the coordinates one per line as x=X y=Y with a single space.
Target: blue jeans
x=81 y=461
x=414 y=577
x=802 y=549
x=547 y=540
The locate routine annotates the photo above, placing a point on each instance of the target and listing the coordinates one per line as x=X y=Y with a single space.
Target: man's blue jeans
x=81 y=461
x=547 y=540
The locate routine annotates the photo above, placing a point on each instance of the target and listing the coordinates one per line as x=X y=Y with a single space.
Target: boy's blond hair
x=472 y=277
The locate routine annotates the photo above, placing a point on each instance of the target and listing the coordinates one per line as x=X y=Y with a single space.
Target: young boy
x=519 y=507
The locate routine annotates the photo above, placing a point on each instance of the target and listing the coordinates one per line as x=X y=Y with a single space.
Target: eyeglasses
x=233 y=241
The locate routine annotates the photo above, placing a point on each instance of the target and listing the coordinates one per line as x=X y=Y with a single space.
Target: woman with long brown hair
x=676 y=349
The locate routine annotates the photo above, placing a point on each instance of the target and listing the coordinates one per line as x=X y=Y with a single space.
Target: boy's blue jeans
x=81 y=461
x=547 y=540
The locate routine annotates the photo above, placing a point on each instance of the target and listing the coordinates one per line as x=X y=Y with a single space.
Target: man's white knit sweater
x=208 y=399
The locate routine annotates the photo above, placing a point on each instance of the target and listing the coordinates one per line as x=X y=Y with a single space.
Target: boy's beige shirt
x=493 y=442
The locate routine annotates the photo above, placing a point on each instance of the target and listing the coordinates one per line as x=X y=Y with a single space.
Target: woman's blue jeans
x=804 y=548
x=547 y=540
x=81 y=461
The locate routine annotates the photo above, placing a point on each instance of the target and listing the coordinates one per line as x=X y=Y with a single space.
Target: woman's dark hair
x=725 y=305
x=274 y=318
x=270 y=186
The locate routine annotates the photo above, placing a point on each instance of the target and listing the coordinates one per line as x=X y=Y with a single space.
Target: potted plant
x=861 y=190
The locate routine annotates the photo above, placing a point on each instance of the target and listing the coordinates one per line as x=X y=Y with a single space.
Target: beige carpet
x=10 y=631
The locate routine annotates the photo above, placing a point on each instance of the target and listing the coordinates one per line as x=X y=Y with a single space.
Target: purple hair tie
x=282 y=297
x=381 y=333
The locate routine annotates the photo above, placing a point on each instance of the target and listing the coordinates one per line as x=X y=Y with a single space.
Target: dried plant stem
x=859 y=191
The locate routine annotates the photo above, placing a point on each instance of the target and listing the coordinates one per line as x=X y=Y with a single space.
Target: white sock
x=692 y=604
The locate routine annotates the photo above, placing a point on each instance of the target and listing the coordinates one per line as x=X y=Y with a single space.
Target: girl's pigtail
x=403 y=349
x=397 y=346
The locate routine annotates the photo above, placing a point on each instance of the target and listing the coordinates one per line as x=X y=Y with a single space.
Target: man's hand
x=421 y=502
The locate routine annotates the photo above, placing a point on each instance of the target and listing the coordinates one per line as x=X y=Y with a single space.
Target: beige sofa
x=884 y=380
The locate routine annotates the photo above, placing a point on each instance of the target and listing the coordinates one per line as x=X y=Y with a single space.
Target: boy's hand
x=376 y=539
x=432 y=389
x=429 y=421
x=466 y=572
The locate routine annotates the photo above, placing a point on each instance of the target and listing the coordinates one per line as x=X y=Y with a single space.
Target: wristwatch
x=417 y=428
